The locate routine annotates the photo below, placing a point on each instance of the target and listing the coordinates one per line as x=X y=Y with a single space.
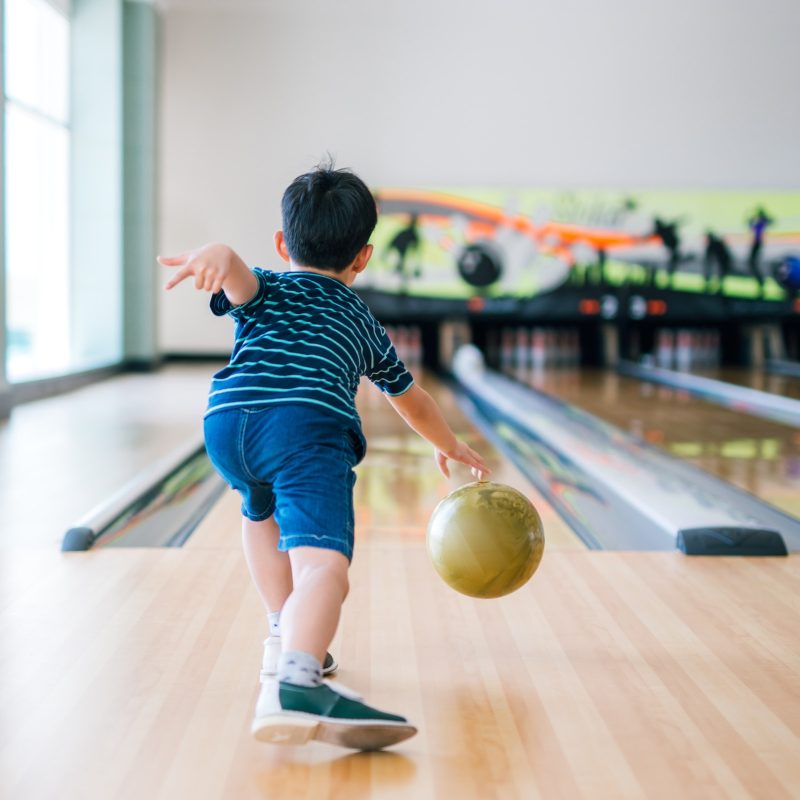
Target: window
x=37 y=145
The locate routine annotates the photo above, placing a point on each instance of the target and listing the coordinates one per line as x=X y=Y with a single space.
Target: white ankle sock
x=299 y=668
x=274 y=623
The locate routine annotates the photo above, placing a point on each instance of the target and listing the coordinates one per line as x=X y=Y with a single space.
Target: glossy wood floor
x=62 y=456
x=133 y=673
x=759 y=456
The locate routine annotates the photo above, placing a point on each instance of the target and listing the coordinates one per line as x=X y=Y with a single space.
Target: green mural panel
x=457 y=243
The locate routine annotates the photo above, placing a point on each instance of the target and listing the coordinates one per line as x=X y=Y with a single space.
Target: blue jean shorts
x=292 y=461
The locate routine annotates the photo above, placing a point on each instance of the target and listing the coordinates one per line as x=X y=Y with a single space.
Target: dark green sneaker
x=289 y=714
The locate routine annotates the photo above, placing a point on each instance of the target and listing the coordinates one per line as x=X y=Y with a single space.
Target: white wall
x=618 y=93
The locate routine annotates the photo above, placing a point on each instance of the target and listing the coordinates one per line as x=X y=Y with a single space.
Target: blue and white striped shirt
x=304 y=338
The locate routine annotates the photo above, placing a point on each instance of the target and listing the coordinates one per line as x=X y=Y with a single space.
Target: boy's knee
x=316 y=564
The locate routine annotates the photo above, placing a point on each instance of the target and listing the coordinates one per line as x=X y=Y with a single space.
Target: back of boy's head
x=328 y=216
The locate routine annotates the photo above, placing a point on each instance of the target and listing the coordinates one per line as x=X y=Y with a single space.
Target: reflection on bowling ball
x=787 y=273
x=485 y=539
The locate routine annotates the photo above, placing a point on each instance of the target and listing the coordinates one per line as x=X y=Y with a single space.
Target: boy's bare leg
x=299 y=705
x=310 y=616
x=270 y=568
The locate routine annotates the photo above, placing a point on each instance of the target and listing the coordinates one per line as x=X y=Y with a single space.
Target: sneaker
x=272 y=652
x=289 y=714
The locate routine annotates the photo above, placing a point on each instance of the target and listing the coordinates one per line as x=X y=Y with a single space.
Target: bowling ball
x=485 y=539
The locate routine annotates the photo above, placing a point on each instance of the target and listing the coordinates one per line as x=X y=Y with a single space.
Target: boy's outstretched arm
x=422 y=414
x=215 y=267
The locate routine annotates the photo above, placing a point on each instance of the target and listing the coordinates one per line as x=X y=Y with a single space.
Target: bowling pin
x=575 y=348
x=521 y=349
x=683 y=350
x=538 y=349
x=665 y=345
x=415 y=346
x=402 y=338
x=550 y=347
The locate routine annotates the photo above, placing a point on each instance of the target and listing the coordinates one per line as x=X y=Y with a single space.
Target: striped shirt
x=304 y=338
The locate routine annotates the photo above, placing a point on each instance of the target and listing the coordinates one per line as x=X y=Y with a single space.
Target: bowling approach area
x=131 y=672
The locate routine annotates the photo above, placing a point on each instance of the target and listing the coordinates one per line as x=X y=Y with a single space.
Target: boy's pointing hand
x=210 y=266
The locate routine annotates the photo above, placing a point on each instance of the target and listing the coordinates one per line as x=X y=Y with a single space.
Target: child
x=283 y=430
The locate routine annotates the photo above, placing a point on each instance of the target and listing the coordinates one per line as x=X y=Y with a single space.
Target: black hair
x=328 y=216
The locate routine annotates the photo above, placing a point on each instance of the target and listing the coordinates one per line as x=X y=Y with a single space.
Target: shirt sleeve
x=220 y=305
x=388 y=372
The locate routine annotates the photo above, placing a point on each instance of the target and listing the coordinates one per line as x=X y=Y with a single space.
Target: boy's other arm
x=216 y=267
x=424 y=416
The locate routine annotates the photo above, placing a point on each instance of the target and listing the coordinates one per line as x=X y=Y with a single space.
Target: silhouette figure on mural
x=670 y=238
x=717 y=255
x=405 y=242
x=758 y=225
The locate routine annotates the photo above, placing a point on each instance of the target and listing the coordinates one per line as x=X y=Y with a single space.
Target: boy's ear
x=280 y=246
x=362 y=259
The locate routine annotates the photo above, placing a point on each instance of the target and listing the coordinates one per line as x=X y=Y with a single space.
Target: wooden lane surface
x=87 y=444
x=398 y=482
x=757 y=455
x=132 y=674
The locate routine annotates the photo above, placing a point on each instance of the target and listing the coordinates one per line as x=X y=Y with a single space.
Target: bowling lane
x=757 y=455
x=398 y=483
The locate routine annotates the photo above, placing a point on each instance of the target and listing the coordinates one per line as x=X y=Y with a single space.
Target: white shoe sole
x=296 y=728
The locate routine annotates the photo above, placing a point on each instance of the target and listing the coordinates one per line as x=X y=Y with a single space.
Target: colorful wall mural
x=457 y=243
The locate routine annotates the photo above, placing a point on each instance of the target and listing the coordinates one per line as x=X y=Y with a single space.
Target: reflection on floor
x=757 y=455
x=62 y=456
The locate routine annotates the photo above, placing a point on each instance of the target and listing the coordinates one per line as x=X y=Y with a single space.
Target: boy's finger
x=179 y=276
x=479 y=462
x=480 y=466
x=441 y=462
x=172 y=261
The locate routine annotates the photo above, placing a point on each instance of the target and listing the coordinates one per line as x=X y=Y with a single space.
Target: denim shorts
x=295 y=462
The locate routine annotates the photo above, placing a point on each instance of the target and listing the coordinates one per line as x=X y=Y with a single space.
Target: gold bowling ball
x=485 y=539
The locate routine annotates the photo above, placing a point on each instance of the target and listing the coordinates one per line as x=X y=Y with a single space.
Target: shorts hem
x=310 y=540
x=258 y=517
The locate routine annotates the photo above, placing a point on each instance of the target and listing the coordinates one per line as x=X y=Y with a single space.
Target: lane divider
x=738 y=398
x=160 y=507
